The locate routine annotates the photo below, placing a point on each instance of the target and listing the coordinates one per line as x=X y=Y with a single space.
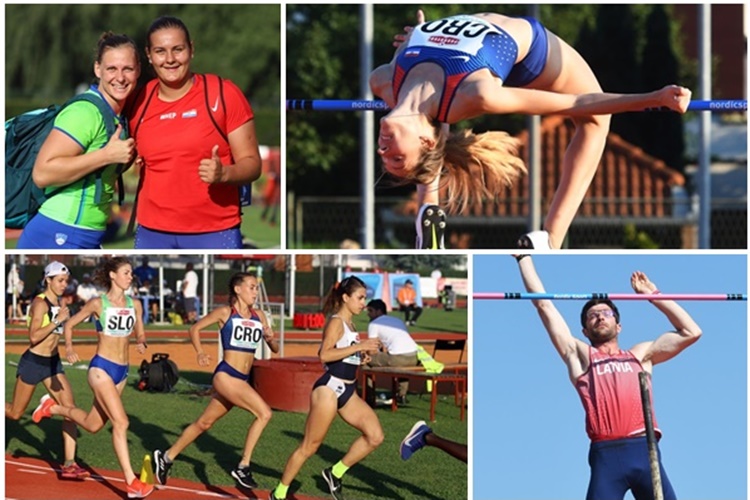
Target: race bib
x=356 y=358
x=463 y=33
x=119 y=321
x=54 y=310
x=246 y=333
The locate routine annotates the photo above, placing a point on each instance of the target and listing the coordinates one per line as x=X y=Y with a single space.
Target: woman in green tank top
x=79 y=162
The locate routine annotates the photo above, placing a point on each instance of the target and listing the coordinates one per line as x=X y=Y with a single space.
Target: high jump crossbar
x=713 y=105
x=610 y=296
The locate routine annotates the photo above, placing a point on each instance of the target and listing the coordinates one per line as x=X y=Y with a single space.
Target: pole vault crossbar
x=713 y=105
x=610 y=296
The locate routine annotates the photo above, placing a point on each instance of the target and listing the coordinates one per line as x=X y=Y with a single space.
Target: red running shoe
x=42 y=411
x=74 y=471
x=139 y=489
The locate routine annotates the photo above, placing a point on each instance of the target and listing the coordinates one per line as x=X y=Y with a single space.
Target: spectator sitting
x=147 y=290
x=399 y=349
x=407 y=302
x=144 y=272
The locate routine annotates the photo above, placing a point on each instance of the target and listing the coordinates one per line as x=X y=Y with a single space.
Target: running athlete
x=118 y=316
x=78 y=163
x=242 y=329
x=196 y=141
x=336 y=391
x=461 y=67
x=606 y=379
x=41 y=362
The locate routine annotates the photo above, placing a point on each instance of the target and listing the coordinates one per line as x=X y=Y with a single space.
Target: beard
x=601 y=333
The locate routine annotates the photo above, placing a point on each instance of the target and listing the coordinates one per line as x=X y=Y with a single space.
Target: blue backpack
x=24 y=136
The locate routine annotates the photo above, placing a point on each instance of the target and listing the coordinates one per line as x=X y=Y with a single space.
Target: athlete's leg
x=216 y=409
x=359 y=415
x=323 y=410
x=22 y=394
x=567 y=72
x=108 y=398
x=239 y=393
x=60 y=390
x=607 y=477
x=454 y=449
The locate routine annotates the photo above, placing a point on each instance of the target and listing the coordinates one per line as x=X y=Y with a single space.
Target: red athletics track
x=34 y=478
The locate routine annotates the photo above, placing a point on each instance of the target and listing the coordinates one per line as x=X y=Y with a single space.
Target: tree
x=662 y=132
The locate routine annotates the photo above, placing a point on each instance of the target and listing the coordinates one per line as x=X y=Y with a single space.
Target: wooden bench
x=455 y=372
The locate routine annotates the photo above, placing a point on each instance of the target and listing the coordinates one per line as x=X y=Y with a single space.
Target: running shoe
x=43 y=410
x=74 y=471
x=243 y=476
x=334 y=484
x=161 y=467
x=414 y=441
x=139 y=489
x=273 y=496
x=430 y=226
x=537 y=240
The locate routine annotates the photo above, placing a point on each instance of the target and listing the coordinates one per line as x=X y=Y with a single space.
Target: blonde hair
x=472 y=166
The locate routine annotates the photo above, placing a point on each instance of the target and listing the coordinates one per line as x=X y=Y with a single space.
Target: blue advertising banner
x=373 y=281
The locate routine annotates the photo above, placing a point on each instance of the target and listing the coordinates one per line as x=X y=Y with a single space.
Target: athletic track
x=33 y=478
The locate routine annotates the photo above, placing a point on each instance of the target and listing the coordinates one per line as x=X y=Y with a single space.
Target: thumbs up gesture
x=210 y=169
x=119 y=150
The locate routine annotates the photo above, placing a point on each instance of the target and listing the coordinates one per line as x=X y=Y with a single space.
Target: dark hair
x=166 y=22
x=110 y=40
x=235 y=280
x=378 y=305
x=335 y=296
x=106 y=266
x=591 y=303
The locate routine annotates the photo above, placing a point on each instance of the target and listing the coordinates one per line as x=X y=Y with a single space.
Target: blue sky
x=529 y=439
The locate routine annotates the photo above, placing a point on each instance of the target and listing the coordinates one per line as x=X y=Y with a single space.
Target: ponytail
x=335 y=296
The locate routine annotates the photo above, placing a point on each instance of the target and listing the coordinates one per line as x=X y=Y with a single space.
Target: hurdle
x=653 y=452
x=610 y=296
x=715 y=106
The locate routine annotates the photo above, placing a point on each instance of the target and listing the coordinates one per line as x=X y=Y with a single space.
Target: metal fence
x=324 y=222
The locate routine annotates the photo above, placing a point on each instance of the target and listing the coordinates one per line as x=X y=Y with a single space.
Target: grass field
x=257 y=232
x=157 y=419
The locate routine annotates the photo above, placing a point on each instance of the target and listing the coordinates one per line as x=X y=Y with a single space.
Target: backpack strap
x=220 y=98
x=108 y=116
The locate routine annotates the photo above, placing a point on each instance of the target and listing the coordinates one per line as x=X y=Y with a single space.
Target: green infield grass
x=157 y=419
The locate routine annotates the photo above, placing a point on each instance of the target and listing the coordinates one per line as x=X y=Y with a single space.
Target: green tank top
x=75 y=204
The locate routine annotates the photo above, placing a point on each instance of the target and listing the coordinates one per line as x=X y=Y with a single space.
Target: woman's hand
x=211 y=170
x=203 y=359
x=369 y=345
x=400 y=38
x=674 y=97
x=63 y=314
x=141 y=346
x=71 y=355
x=268 y=333
x=118 y=150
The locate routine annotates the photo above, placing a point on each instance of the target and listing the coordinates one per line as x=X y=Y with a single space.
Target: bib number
x=120 y=321
x=456 y=27
x=246 y=333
